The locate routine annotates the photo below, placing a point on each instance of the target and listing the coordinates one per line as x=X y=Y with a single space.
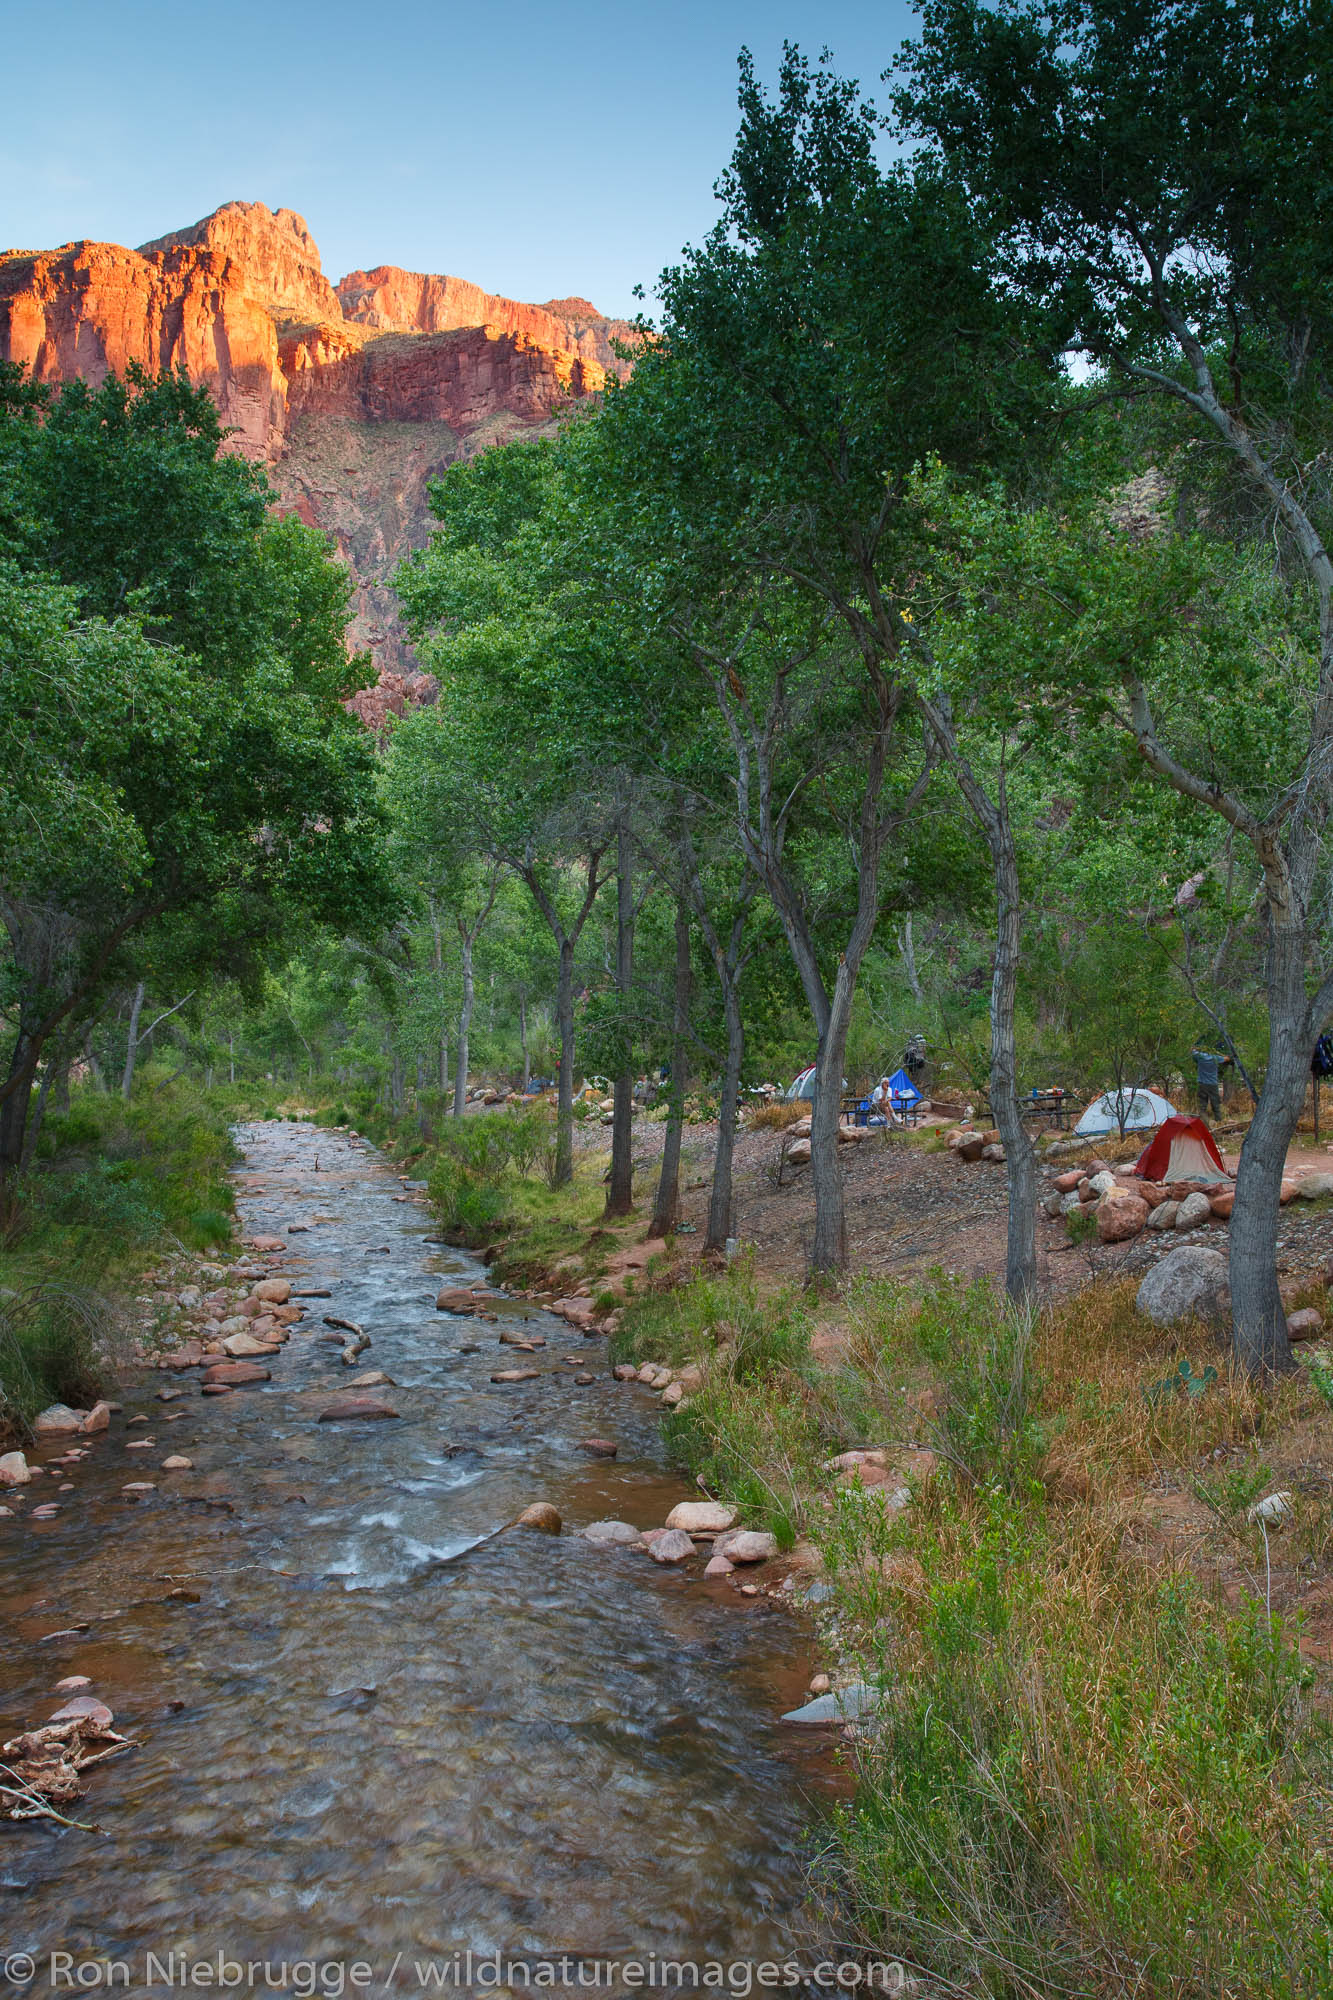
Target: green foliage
x=469 y=1183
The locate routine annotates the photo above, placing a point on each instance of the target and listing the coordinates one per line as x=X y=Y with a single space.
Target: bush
x=53 y=1342
x=106 y=1197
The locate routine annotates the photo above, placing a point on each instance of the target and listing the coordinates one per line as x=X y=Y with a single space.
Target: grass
x=1095 y=1771
x=112 y=1186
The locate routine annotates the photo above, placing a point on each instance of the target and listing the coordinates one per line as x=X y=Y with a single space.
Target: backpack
x=1322 y=1062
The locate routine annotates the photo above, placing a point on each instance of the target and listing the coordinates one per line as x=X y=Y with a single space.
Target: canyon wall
x=354 y=396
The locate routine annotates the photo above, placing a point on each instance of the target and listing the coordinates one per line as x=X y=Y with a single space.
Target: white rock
x=671 y=1546
x=702 y=1517
x=1195 y=1209
x=746 y=1545
x=1273 y=1507
x=1102 y=1184
x=1189 y=1282
x=1163 y=1216
x=59 y=1420
x=1315 y=1186
x=605 y=1534
x=14 y=1469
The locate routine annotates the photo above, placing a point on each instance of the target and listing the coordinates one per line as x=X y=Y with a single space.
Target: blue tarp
x=903 y=1088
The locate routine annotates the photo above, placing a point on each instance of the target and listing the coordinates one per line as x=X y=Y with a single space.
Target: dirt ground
x=910 y=1210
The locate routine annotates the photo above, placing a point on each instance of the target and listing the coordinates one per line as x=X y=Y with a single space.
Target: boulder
x=59 y=1421
x=1070 y=1204
x=234 y=1374
x=1164 y=1215
x=798 y=1154
x=97 y=1419
x=1066 y=1183
x=846 y=1705
x=1195 y=1209
x=672 y=1545
x=1315 y=1186
x=1222 y=1203
x=273 y=1291
x=1120 y=1216
x=1191 y=1282
x=1102 y=1183
x=673 y=1393
x=14 y=1469
x=610 y=1534
x=971 y=1147
x=746 y=1545
x=718 y=1566
x=541 y=1517
x=625 y=1371
x=241 y=1346
x=993 y=1151
x=702 y=1517
x=347 y=1408
x=1305 y=1325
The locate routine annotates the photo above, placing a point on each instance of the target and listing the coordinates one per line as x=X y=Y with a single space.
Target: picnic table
x=1052 y=1107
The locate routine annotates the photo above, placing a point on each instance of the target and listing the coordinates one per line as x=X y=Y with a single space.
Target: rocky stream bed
x=368 y=1727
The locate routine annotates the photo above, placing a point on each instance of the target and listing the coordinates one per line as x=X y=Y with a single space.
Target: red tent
x=1183 y=1149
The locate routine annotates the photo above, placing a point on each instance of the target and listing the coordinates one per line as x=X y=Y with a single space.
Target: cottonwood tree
x=1159 y=176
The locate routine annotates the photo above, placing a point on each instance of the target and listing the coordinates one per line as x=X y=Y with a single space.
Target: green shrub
x=53 y=1342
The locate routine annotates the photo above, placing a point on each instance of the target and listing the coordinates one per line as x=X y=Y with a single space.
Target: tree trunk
x=564 y=1107
x=1259 y=1321
x=829 y=1250
x=1020 y=1265
x=909 y=960
x=231 y=1057
x=23 y=1062
x=464 y=1027
x=90 y=1057
x=523 y=1039
x=132 y=1045
x=667 y=1201
x=620 y=1193
x=721 y=1205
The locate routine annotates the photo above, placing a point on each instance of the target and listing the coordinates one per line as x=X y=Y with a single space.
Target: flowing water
x=363 y=1738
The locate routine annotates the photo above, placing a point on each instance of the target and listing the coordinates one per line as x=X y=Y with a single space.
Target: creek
x=367 y=1732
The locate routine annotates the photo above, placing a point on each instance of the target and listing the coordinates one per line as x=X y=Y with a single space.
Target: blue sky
x=537 y=150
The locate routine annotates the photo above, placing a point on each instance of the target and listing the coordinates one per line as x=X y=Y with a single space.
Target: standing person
x=1207 y=1065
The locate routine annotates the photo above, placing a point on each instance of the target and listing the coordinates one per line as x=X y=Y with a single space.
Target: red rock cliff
x=356 y=397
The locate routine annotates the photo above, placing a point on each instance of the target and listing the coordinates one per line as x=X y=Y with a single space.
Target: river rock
x=673 y=1394
x=1195 y=1209
x=273 y=1291
x=14 y=1469
x=625 y=1371
x=266 y=1244
x=138 y=1486
x=843 y=1705
x=97 y=1419
x=671 y=1545
x=719 y=1566
x=702 y=1517
x=599 y=1447
x=1189 y=1282
x=85 y=1708
x=345 y=1408
x=73 y=1684
x=746 y=1545
x=234 y=1374
x=610 y=1534
x=1120 y=1216
x=1313 y=1187
x=374 y=1378
x=515 y=1375
x=457 y=1299
x=234 y=1323
x=59 y=1421
x=240 y=1346
x=541 y=1517
x=46 y=1512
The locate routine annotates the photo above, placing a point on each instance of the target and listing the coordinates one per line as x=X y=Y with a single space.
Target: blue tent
x=905 y=1092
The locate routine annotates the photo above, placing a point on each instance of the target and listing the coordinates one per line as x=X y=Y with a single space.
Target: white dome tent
x=1134 y=1110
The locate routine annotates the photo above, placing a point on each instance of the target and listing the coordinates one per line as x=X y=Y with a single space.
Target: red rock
x=85 y=1708
x=1305 y=1325
x=541 y=1517
x=191 y=1355
x=234 y=1374
x=598 y=1447
x=1120 y=1216
x=1066 y=1183
x=515 y=1375
x=1223 y=1203
x=345 y=1408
